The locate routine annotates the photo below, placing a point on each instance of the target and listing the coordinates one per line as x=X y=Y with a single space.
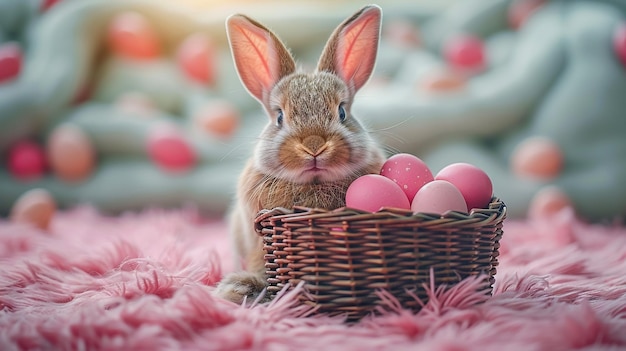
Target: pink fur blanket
x=143 y=281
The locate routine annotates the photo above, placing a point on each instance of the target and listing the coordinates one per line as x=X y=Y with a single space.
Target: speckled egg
x=408 y=171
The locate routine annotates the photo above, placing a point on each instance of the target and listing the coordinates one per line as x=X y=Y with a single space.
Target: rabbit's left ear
x=260 y=57
x=351 y=50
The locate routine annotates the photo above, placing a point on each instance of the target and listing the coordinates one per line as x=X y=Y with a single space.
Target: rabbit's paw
x=242 y=286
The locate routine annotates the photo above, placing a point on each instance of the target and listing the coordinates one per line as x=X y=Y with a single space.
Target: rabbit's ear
x=260 y=57
x=351 y=50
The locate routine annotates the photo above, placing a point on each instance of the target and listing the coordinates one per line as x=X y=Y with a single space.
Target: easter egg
x=131 y=35
x=70 y=153
x=371 y=192
x=465 y=52
x=547 y=202
x=169 y=150
x=35 y=207
x=409 y=172
x=219 y=118
x=537 y=157
x=26 y=160
x=438 y=196
x=196 y=57
x=619 y=42
x=474 y=184
x=10 y=61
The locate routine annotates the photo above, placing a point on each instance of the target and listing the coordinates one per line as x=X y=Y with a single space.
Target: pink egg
x=438 y=196
x=465 y=52
x=548 y=202
x=472 y=181
x=26 y=160
x=619 y=42
x=196 y=56
x=537 y=157
x=71 y=154
x=371 y=192
x=10 y=61
x=35 y=207
x=131 y=35
x=408 y=171
x=169 y=149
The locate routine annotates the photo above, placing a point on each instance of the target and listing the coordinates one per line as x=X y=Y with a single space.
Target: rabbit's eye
x=279 y=118
x=342 y=113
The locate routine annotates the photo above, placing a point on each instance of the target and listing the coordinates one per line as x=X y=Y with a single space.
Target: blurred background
x=128 y=104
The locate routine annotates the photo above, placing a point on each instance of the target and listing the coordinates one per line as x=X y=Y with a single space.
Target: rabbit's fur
x=308 y=154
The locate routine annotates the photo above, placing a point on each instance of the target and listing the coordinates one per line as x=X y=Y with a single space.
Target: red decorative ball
x=26 y=160
x=619 y=43
x=47 y=4
x=131 y=35
x=196 y=57
x=10 y=61
x=168 y=149
x=465 y=52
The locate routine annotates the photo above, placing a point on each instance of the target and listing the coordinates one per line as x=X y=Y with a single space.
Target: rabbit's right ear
x=351 y=50
x=260 y=57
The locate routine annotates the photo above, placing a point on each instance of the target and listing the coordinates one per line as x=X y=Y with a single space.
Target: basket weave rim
x=495 y=211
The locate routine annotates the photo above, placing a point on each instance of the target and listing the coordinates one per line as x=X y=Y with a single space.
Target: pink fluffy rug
x=144 y=281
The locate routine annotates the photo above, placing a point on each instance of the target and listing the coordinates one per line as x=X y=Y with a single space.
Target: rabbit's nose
x=314 y=145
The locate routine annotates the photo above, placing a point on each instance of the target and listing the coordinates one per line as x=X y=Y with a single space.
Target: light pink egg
x=71 y=154
x=408 y=171
x=371 y=192
x=36 y=207
x=438 y=196
x=473 y=182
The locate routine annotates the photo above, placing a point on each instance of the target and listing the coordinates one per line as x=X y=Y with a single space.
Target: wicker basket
x=346 y=255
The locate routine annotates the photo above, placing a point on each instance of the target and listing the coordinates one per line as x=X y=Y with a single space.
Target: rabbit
x=312 y=147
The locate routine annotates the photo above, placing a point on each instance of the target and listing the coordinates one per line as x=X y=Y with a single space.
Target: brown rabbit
x=312 y=148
